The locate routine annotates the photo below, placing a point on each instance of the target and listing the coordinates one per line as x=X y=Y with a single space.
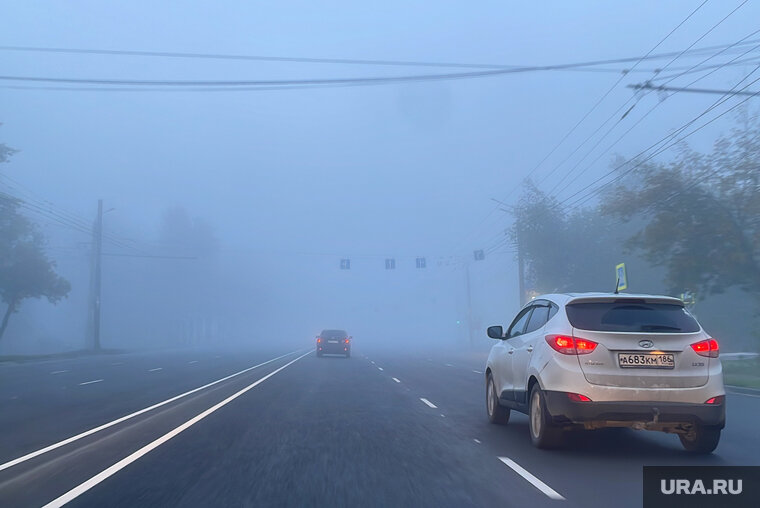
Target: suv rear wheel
x=496 y=412
x=543 y=432
x=701 y=439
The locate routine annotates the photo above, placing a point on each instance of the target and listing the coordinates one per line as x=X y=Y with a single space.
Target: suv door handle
x=511 y=351
x=530 y=349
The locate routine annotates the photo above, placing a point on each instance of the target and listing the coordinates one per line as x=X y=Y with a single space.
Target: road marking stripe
x=379 y=368
x=59 y=371
x=154 y=370
x=118 y=363
x=396 y=379
x=517 y=468
x=39 y=452
x=194 y=361
x=476 y=440
x=87 y=485
x=477 y=372
x=90 y=382
x=430 y=404
x=449 y=365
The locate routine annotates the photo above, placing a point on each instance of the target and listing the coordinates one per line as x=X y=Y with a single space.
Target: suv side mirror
x=495 y=332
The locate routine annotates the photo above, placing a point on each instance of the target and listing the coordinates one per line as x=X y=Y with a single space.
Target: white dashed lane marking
x=517 y=468
x=396 y=379
x=90 y=382
x=429 y=404
x=194 y=361
x=154 y=370
x=379 y=368
x=59 y=371
x=476 y=440
x=477 y=372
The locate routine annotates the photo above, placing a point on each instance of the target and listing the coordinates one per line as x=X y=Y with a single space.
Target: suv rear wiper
x=649 y=328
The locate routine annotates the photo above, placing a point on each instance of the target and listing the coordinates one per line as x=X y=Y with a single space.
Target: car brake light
x=570 y=345
x=319 y=340
x=708 y=348
x=346 y=341
x=577 y=397
x=715 y=400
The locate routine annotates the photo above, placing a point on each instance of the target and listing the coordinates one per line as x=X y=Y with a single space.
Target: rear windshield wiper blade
x=649 y=328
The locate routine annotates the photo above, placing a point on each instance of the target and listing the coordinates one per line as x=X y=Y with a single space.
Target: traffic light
x=420 y=262
x=345 y=264
x=390 y=264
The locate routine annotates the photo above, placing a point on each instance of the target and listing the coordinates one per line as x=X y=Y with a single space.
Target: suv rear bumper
x=565 y=411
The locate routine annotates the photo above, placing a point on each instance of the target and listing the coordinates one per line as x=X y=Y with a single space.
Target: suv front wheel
x=496 y=412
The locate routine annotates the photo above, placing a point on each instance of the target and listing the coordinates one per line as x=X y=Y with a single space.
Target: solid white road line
x=90 y=382
x=84 y=487
x=132 y=415
x=430 y=404
x=156 y=369
x=396 y=379
x=59 y=371
x=517 y=468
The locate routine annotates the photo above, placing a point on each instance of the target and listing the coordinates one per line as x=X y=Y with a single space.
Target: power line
x=594 y=107
x=662 y=88
x=342 y=61
x=583 y=199
x=705 y=34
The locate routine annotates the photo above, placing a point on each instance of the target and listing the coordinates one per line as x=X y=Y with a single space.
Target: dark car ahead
x=335 y=342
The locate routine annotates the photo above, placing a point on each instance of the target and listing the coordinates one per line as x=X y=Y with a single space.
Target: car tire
x=701 y=439
x=543 y=433
x=496 y=412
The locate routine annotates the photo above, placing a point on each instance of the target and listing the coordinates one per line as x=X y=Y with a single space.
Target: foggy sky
x=293 y=180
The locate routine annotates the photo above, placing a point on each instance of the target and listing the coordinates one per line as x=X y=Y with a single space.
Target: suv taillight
x=708 y=348
x=568 y=345
x=319 y=340
x=346 y=341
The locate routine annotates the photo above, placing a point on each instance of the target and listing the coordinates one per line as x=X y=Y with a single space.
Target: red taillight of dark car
x=568 y=345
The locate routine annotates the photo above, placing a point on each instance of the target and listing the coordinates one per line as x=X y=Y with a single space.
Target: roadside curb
x=743 y=389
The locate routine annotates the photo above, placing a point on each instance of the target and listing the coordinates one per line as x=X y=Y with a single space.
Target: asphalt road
x=285 y=428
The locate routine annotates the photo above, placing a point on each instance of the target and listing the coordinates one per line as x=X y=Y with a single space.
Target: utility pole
x=469 y=306
x=98 y=238
x=520 y=268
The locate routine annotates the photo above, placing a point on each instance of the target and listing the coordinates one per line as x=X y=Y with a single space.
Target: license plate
x=646 y=360
x=332 y=341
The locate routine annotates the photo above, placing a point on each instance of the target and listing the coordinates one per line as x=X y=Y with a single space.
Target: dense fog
x=227 y=212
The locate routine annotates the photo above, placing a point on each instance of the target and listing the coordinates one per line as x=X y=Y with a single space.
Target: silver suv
x=594 y=360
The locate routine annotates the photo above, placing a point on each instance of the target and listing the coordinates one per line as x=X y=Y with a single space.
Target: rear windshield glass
x=333 y=334
x=631 y=317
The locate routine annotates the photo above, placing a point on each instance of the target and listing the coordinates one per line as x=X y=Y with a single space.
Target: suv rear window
x=631 y=317
x=333 y=334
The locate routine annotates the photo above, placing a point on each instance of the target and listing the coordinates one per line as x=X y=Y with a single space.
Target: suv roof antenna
x=617 y=286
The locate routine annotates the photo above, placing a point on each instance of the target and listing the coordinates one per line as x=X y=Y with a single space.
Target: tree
x=25 y=269
x=564 y=251
x=700 y=214
x=6 y=152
